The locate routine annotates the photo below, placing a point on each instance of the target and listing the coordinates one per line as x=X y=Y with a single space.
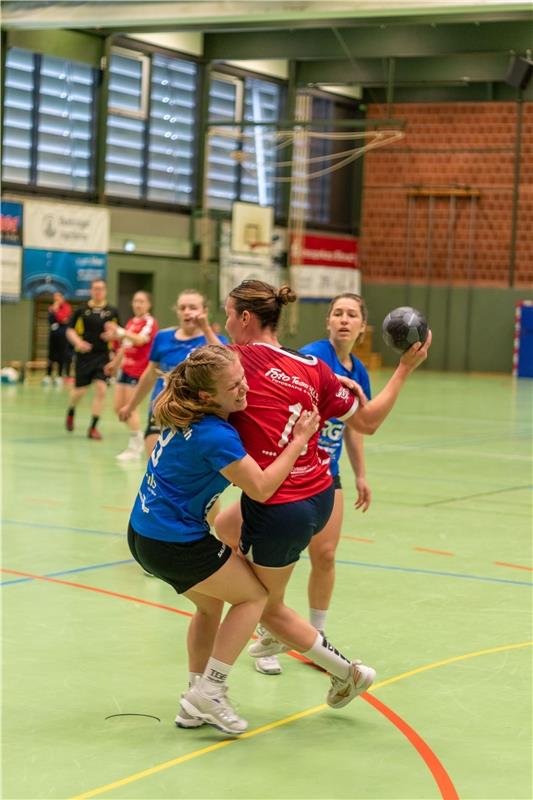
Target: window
x=330 y=198
x=151 y=143
x=235 y=99
x=48 y=122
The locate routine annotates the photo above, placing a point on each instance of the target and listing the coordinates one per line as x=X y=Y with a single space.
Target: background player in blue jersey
x=169 y=348
x=197 y=455
x=346 y=323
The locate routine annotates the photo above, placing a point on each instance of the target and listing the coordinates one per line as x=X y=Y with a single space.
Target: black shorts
x=181 y=564
x=275 y=535
x=337 y=481
x=126 y=379
x=90 y=368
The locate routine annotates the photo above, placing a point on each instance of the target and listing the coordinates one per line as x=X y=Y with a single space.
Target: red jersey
x=136 y=355
x=283 y=384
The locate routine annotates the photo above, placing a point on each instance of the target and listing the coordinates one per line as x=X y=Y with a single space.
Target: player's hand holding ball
x=405 y=329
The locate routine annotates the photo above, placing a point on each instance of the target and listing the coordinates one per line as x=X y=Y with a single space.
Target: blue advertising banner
x=47 y=271
x=11 y=251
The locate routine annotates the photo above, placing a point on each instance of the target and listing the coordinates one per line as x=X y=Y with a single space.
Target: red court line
x=358 y=539
x=100 y=591
x=435 y=552
x=440 y=775
x=442 y=779
x=513 y=566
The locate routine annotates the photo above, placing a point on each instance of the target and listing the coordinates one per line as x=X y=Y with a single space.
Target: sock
x=193 y=676
x=94 y=422
x=327 y=657
x=71 y=411
x=215 y=676
x=317 y=618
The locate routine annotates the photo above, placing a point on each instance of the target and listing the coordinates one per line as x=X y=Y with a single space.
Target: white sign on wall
x=11 y=261
x=69 y=228
x=321 y=283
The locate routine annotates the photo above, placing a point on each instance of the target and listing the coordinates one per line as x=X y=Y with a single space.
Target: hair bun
x=285 y=295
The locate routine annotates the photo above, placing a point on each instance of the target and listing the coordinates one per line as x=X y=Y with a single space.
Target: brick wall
x=457 y=144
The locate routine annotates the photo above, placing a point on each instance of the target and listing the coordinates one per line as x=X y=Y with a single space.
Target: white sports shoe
x=268 y=666
x=186 y=720
x=215 y=709
x=266 y=645
x=46 y=381
x=58 y=381
x=358 y=681
x=129 y=454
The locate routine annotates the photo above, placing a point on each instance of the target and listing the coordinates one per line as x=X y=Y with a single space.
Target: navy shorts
x=337 y=481
x=128 y=380
x=275 y=535
x=181 y=564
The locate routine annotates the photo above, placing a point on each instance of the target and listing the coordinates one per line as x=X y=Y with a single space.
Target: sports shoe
x=69 y=422
x=358 y=681
x=215 y=709
x=266 y=645
x=46 y=381
x=129 y=454
x=269 y=665
x=94 y=433
x=58 y=380
x=186 y=720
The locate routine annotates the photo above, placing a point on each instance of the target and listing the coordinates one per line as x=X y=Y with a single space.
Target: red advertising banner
x=323 y=250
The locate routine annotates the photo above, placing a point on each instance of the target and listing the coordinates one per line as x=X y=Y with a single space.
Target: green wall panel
x=17 y=330
x=63 y=44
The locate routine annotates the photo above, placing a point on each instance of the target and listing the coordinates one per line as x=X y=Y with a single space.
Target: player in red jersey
x=274 y=533
x=132 y=357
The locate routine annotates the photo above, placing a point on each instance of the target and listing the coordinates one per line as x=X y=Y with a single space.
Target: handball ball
x=9 y=375
x=404 y=327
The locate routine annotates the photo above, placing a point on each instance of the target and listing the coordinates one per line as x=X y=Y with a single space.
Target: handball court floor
x=433 y=589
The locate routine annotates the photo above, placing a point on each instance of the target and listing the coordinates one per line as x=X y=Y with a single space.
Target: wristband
x=121 y=332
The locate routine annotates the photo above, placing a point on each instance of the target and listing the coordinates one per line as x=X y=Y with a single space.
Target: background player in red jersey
x=282 y=383
x=132 y=358
x=59 y=314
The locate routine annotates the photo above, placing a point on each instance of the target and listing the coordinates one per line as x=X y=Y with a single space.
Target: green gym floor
x=433 y=589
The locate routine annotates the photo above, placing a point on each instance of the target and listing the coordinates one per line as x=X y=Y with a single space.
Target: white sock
x=193 y=676
x=215 y=676
x=317 y=618
x=135 y=440
x=327 y=657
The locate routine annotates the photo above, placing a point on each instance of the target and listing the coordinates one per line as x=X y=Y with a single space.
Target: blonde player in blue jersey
x=346 y=324
x=198 y=454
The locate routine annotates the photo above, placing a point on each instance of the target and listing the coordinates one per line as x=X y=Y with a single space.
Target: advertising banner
x=65 y=248
x=11 y=251
x=324 y=266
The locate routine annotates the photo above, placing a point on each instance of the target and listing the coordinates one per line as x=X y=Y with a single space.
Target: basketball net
x=286 y=156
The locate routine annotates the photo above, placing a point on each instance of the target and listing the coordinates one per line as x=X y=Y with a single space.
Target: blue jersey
x=331 y=434
x=168 y=352
x=182 y=480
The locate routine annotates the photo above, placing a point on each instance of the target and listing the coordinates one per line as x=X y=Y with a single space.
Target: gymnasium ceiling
x=368 y=43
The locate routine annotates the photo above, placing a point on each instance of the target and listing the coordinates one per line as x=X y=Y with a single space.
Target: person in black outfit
x=59 y=314
x=85 y=333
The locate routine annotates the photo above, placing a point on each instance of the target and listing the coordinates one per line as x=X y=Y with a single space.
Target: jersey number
x=295 y=410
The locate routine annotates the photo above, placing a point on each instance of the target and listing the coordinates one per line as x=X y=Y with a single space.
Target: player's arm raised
x=369 y=417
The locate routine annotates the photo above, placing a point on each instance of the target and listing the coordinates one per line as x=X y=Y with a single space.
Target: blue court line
x=69 y=571
x=431 y=572
x=61 y=528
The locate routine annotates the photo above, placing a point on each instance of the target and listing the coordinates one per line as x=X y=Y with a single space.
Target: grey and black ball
x=403 y=327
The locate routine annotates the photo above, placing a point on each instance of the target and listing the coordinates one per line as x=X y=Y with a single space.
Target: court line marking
x=448 y=791
x=421 y=571
x=479 y=494
x=71 y=571
x=441 y=777
x=435 y=552
x=339 y=561
x=513 y=566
